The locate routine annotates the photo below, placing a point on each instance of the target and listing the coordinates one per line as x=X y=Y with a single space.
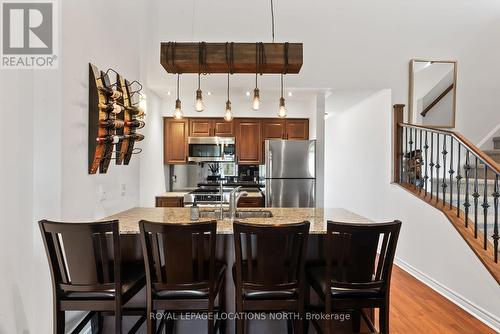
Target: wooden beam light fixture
x=274 y=58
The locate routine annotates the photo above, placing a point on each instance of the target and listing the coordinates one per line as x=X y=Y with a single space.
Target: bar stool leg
x=59 y=321
x=384 y=320
x=210 y=321
x=356 y=321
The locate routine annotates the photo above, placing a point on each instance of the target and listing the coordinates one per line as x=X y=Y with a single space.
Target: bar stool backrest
x=83 y=257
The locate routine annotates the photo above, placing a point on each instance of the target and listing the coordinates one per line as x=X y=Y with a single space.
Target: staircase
x=448 y=172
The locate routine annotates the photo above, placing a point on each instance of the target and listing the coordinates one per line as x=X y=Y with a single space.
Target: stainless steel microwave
x=210 y=149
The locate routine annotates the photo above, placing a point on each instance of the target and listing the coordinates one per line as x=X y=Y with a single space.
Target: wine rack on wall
x=114 y=118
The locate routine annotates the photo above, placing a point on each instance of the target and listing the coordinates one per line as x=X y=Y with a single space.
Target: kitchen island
x=131 y=251
x=316 y=216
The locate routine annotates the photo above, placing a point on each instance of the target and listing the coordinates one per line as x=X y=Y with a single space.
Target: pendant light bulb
x=256 y=99
x=198 y=106
x=199 y=101
x=178 y=110
x=228 y=116
x=282 y=109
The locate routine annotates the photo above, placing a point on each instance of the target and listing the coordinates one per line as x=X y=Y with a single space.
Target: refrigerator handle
x=270 y=170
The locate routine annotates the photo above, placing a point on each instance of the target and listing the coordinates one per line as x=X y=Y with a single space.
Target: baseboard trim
x=479 y=313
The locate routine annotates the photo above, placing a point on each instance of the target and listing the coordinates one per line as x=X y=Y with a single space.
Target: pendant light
x=282 y=109
x=198 y=106
x=178 y=111
x=256 y=92
x=228 y=116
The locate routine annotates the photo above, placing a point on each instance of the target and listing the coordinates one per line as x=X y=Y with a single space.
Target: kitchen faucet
x=220 y=214
x=234 y=197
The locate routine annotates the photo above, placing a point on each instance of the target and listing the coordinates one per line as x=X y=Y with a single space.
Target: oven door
x=210 y=149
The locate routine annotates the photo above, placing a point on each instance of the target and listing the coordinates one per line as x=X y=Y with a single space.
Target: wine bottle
x=109 y=139
x=112 y=124
x=111 y=93
x=115 y=108
x=135 y=124
x=134 y=136
x=135 y=111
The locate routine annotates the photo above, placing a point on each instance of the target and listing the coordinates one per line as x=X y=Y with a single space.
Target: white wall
x=105 y=44
x=358 y=158
x=44 y=164
x=358 y=44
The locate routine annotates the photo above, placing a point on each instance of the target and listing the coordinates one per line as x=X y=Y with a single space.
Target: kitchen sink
x=240 y=214
x=254 y=214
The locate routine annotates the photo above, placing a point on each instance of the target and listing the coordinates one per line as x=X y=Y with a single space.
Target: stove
x=206 y=196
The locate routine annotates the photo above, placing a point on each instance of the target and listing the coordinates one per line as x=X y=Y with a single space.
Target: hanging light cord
x=281 y=85
x=272 y=19
x=228 y=86
x=177 y=86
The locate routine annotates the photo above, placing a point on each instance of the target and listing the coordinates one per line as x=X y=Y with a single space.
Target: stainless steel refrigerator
x=290 y=173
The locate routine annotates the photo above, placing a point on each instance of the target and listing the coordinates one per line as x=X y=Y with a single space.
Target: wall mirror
x=432 y=100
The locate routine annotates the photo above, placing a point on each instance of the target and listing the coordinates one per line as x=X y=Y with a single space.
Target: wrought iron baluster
x=438 y=166
x=421 y=163
x=426 y=148
x=459 y=178
x=444 y=185
x=401 y=156
x=485 y=206
x=451 y=172
x=432 y=164
x=476 y=200
x=467 y=169
x=407 y=164
x=495 y=237
x=411 y=158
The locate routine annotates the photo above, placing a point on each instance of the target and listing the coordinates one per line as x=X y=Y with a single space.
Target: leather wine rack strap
x=113 y=120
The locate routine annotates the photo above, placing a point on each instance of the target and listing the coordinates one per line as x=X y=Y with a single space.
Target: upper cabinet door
x=175 y=133
x=273 y=129
x=248 y=137
x=297 y=129
x=223 y=128
x=200 y=127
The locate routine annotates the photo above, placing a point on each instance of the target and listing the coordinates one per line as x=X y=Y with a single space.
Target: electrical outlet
x=123 y=189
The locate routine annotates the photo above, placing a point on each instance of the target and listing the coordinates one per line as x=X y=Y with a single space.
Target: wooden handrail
x=396 y=135
x=433 y=103
x=483 y=157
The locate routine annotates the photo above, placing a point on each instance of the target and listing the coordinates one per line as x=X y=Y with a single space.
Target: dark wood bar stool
x=269 y=270
x=87 y=273
x=357 y=274
x=182 y=273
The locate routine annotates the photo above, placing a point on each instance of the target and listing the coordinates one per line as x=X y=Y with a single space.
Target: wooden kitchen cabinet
x=200 y=127
x=251 y=202
x=175 y=134
x=207 y=127
x=248 y=139
x=223 y=128
x=297 y=129
x=273 y=129
x=250 y=134
x=169 y=202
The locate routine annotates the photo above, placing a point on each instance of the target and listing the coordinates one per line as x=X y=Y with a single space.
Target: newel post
x=396 y=140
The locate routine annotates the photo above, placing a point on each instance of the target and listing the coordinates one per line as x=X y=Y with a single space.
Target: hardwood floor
x=416 y=308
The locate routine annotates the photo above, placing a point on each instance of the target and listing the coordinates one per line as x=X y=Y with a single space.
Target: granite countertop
x=182 y=193
x=173 y=194
x=317 y=217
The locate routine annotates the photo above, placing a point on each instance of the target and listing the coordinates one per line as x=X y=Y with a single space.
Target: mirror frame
x=411 y=86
